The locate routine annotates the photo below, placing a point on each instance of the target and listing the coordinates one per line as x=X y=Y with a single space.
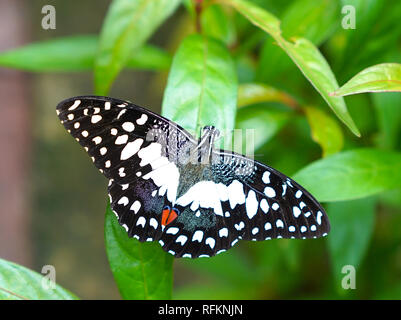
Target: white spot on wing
x=97 y=140
x=172 y=230
x=75 y=105
x=264 y=205
x=103 y=151
x=128 y=126
x=319 y=217
x=211 y=242
x=131 y=148
x=251 y=204
x=141 y=221
x=124 y=201
x=270 y=192
x=142 y=120
x=296 y=212
x=153 y=223
x=136 y=206
x=121 y=139
x=223 y=232
x=181 y=239
x=198 y=236
x=266 y=177
x=96 y=118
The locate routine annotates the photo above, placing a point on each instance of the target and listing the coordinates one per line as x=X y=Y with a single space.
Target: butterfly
x=166 y=185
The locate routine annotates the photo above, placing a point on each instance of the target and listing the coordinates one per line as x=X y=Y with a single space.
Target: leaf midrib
x=202 y=92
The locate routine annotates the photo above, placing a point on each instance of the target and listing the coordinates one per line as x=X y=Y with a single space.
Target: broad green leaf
x=202 y=85
x=352 y=174
x=304 y=54
x=216 y=23
x=385 y=77
x=75 y=53
x=325 y=131
x=316 y=69
x=142 y=270
x=20 y=283
x=258 y=124
x=252 y=93
x=388 y=111
x=127 y=26
x=352 y=224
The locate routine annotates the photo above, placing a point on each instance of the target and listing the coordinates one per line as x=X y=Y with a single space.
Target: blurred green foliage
x=271 y=66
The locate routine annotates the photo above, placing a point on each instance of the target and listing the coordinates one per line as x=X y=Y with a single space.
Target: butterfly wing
x=136 y=149
x=272 y=204
x=253 y=202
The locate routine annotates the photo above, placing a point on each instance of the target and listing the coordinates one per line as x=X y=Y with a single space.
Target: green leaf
x=263 y=122
x=75 y=53
x=385 y=77
x=126 y=28
x=251 y=93
x=258 y=16
x=325 y=131
x=316 y=69
x=352 y=224
x=20 y=283
x=352 y=174
x=202 y=85
x=216 y=23
x=142 y=270
x=304 y=54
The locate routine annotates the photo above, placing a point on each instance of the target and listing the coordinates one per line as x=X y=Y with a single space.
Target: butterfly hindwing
x=273 y=205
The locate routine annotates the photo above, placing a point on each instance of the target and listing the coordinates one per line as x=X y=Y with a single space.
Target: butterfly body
x=167 y=186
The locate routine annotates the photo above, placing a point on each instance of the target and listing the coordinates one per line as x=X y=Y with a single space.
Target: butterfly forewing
x=192 y=209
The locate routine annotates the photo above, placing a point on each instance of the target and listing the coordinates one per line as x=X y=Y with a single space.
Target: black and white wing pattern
x=136 y=150
x=162 y=189
x=243 y=200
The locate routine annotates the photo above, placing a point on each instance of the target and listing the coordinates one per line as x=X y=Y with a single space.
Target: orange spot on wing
x=172 y=216
x=165 y=214
x=168 y=216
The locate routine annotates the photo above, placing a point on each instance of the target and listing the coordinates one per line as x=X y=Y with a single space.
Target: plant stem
x=198 y=12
